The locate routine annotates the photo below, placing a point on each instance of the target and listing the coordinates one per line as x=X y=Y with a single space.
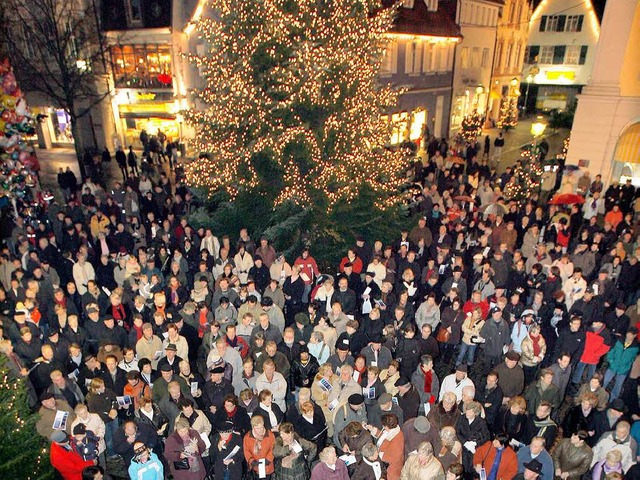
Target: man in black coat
x=303 y=370
x=408 y=398
x=490 y=397
x=571 y=340
x=128 y=434
x=115 y=378
x=214 y=392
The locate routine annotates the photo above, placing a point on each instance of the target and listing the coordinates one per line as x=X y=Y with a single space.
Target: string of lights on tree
x=508 y=117
x=23 y=453
x=294 y=85
x=471 y=127
x=526 y=175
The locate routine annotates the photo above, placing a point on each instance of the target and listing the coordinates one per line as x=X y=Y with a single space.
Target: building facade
x=478 y=20
x=605 y=138
x=511 y=43
x=419 y=59
x=560 y=53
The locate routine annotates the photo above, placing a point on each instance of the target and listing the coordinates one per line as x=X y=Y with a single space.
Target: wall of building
x=561 y=48
x=478 y=21
x=614 y=93
x=511 y=43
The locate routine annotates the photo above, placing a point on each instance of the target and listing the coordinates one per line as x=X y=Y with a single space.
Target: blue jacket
x=152 y=470
x=620 y=358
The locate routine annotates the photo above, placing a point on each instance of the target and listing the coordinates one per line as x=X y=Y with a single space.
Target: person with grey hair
x=448 y=448
x=370 y=466
x=472 y=432
x=422 y=464
x=330 y=467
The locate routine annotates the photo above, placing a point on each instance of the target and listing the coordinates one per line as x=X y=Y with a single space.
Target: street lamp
x=514 y=82
x=538 y=127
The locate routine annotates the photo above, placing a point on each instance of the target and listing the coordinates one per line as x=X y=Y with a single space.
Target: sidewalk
x=520 y=136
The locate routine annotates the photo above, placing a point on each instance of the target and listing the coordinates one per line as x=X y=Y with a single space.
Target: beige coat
x=469 y=331
x=526 y=358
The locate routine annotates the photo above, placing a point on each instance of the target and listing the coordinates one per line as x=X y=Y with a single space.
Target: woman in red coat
x=65 y=459
x=183 y=450
x=503 y=468
x=391 y=443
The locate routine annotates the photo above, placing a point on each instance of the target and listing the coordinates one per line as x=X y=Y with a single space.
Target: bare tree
x=57 y=48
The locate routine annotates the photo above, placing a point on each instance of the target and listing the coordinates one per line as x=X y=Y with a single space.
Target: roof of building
x=418 y=20
x=598 y=7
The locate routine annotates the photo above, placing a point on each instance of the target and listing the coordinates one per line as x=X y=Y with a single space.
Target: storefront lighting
x=538 y=127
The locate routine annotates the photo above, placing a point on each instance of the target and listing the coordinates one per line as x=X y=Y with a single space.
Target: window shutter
x=580 y=20
x=583 y=54
x=534 y=51
x=562 y=19
x=543 y=23
x=558 y=54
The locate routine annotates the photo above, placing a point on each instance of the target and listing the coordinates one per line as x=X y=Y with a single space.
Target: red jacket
x=68 y=462
x=508 y=463
x=469 y=307
x=596 y=344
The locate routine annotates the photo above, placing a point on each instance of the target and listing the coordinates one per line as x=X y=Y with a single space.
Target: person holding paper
x=258 y=448
x=226 y=452
x=50 y=406
x=293 y=455
x=183 y=450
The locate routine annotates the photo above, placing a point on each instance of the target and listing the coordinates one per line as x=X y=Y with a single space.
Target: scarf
x=377 y=469
x=273 y=420
x=428 y=380
x=231 y=413
x=536 y=345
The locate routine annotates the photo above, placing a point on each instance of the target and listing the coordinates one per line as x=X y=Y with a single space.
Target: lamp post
x=538 y=127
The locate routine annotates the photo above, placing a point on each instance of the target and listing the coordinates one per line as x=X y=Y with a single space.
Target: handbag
x=182 y=464
x=443 y=335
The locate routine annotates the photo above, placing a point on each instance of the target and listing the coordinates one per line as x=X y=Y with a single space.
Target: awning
x=628 y=147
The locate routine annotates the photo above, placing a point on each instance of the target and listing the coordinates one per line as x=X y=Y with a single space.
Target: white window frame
x=545 y=57
x=572 y=54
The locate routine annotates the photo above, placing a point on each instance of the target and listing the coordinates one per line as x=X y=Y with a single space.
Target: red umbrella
x=567 y=199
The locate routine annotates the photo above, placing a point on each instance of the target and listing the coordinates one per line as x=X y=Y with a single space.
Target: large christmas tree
x=23 y=453
x=293 y=110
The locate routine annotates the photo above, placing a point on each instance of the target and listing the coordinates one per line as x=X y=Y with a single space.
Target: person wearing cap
x=49 y=405
x=618 y=321
x=408 y=398
x=85 y=442
x=222 y=444
x=455 y=382
x=383 y=405
x=376 y=354
x=497 y=337
x=532 y=471
x=520 y=328
x=589 y=307
x=536 y=455
x=353 y=410
x=304 y=368
x=65 y=459
x=621 y=358
x=417 y=430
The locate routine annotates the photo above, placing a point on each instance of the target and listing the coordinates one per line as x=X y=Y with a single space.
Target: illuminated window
x=400 y=122
x=572 y=55
x=418 y=120
x=407 y=3
x=427 y=54
x=432 y=5
x=413 y=54
x=574 y=23
x=390 y=59
x=475 y=57
x=141 y=66
x=546 y=54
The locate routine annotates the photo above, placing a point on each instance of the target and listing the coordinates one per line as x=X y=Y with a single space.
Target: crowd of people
x=485 y=345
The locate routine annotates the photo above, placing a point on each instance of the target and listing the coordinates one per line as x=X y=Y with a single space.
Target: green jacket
x=620 y=358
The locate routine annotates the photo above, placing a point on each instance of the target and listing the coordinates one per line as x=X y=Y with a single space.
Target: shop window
x=142 y=66
x=400 y=122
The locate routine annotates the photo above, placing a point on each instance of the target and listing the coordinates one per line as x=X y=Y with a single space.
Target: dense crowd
x=491 y=340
